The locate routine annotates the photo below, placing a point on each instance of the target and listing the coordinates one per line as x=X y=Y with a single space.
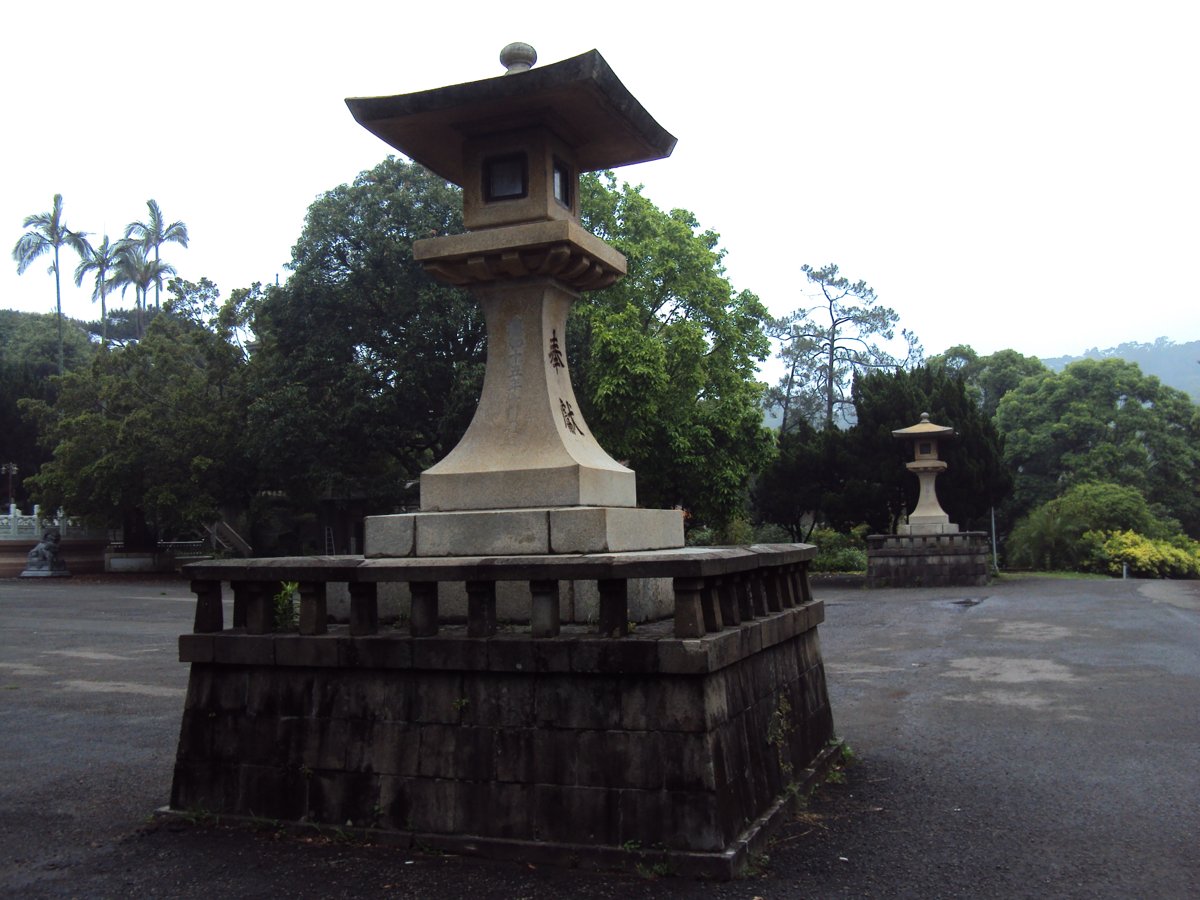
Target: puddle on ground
x=1009 y=670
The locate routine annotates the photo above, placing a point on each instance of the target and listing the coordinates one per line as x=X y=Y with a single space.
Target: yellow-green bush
x=1110 y=551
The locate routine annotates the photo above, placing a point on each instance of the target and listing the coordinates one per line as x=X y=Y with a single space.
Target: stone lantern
x=516 y=145
x=928 y=516
x=927 y=550
x=619 y=749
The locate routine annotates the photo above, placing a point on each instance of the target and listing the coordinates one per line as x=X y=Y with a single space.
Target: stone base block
x=925 y=528
x=928 y=560
x=523 y=532
x=514 y=747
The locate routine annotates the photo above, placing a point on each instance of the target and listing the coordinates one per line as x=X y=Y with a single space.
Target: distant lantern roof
x=580 y=99
x=924 y=429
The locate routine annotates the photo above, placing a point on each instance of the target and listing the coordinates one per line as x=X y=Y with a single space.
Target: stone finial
x=518 y=57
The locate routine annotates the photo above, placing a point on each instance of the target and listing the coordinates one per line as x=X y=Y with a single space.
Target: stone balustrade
x=16 y=526
x=715 y=587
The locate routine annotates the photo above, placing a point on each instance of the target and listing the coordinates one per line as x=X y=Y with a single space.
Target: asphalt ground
x=1034 y=738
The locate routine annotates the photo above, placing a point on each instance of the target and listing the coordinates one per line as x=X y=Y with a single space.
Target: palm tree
x=49 y=232
x=103 y=261
x=135 y=269
x=152 y=234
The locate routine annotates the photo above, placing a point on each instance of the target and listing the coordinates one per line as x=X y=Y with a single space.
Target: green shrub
x=286 y=616
x=838 y=552
x=1051 y=536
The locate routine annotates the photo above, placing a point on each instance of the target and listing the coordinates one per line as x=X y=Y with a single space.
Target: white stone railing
x=16 y=526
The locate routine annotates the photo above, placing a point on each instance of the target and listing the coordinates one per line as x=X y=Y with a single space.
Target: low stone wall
x=904 y=560
x=577 y=749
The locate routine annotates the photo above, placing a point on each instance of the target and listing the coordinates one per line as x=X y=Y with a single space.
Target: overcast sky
x=1019 y=174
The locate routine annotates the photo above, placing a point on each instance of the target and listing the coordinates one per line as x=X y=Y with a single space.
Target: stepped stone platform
x=675 y=743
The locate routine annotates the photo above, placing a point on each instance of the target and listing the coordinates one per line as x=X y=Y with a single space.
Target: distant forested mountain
x=1177 y=365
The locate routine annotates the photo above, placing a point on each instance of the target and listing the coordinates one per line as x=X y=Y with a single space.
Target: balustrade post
x=741 y=590
x=806 y=595
x=758 y=597
x=713 y=621
x=614 y=607
x=481 y=608
x=364 y=607
x=313 y=608
x=786 y=588
x=256 y=606
x=689 y=608
x=423 y=621
x=770 y=577
x=729 y=607
x=210 y=616
x=544 y=612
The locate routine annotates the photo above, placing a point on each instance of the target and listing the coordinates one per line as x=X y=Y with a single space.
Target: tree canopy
x=147 y=437
x=1103 y=420
x=665 y=360
x=990 y=377
x=48 y=233
x=366 y=370
x=29 y=354
x=825 y=345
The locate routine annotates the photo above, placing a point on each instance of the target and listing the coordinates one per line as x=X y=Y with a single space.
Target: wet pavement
x=1037 y=737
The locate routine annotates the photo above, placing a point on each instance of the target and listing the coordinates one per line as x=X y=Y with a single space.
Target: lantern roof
x=580 y=99
x=924 y=429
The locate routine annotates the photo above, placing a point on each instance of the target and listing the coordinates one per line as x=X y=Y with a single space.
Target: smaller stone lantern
x=928 y=550
x=928 y=517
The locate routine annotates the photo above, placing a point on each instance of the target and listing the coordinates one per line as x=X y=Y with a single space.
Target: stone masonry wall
x=569 y=741
x=902 y=560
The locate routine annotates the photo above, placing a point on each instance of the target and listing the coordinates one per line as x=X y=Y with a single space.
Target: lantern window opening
x=562 y=183
x=506 y=177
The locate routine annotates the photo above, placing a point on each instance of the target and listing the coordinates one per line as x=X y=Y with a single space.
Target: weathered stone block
x=581 y=815
x=664 y=704
x=244 y=649
x=601 y=529
x=687 y=761
x=603 y=655
x=382 y=651
x=196 y=648
x=301 y=650
x=511 y=653
x=204 y=786
x=499 y=701
x=439 y=699
x=343 y=797
x=615 y=759
x=216 y=688
x=683 y=657
x=497 y=532
x=385 y=536
x=457 y=654
x=563 y=701
x=456 y=751
x=553 y=654
x=382 y=747
x=367 y=694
